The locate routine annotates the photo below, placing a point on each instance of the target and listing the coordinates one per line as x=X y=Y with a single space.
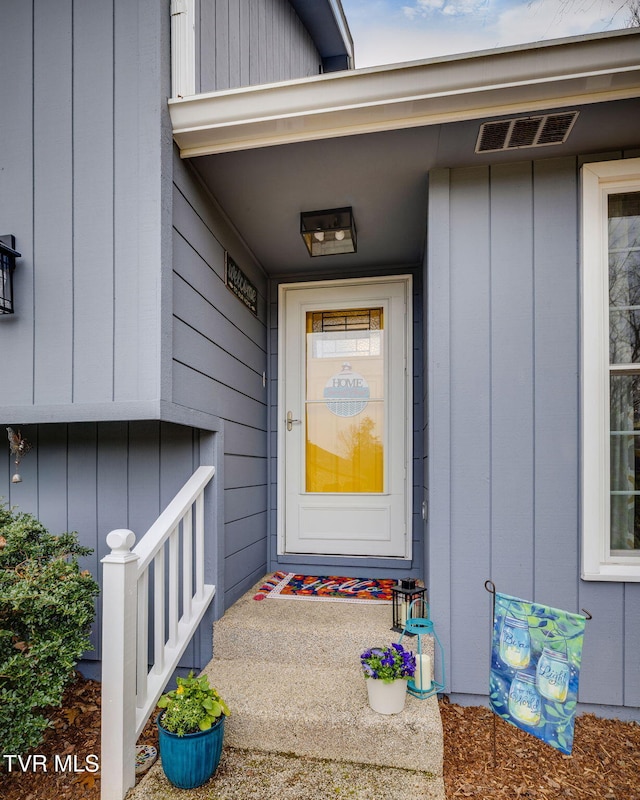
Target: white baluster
x=199 y=593
x=158 y=612
x=142 y=658
x=187 y=565
x=173 y=588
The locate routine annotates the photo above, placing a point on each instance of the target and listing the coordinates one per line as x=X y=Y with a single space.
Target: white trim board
x=393 y=291
x=598 y=181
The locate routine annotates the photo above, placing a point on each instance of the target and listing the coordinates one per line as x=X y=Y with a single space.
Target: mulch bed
x=75 y=731
x=605 y=763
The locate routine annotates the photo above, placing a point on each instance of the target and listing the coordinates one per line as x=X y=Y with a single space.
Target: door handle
x=291 y=420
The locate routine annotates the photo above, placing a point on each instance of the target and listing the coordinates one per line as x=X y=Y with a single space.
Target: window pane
x=345 y=401
x=624 y=278
x=624 y=336
x=625 y=525
x=624 y=212
x=625 y=462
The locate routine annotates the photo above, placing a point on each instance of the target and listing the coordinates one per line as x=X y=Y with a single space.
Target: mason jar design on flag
x=524 y=700
x=515 y=643
x=536 y=656
x=552 y=675
x=347 y=392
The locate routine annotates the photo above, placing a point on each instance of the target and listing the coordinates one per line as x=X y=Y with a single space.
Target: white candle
x=422 y=678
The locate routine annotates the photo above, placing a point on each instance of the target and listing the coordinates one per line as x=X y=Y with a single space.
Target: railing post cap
x=121 y=540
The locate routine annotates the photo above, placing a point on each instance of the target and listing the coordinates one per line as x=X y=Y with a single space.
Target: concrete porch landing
x=300 y=722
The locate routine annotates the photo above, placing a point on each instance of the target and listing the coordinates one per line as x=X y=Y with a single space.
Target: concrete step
x=300 y=721
x=335 y=632
x=315 y=710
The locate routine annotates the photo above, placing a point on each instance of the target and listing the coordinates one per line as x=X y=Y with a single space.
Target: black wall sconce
x=327 y=233
x=8 y=255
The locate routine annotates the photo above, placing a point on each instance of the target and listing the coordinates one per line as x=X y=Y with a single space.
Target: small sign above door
x=239 y=284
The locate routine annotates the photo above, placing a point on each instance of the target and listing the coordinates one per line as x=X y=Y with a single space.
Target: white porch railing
x=174 y=545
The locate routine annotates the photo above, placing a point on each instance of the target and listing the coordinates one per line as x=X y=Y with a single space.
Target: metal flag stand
x=422 y=685
x=491 y=588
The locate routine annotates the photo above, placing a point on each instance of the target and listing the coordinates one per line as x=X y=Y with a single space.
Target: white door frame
x=408 y=411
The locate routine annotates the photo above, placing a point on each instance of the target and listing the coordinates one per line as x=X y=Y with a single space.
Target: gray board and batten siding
x=89 y=365
x=503 y=475
x=87 y=163
x=81 y=159
x=250 y=42
x=87 y=189
x=94 y=477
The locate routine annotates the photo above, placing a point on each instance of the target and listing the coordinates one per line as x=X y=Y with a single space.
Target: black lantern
x=407 y=599
x=8 y=255
x=330 y=232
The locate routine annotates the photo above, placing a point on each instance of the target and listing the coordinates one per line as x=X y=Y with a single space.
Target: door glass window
x=624 y=381
x=344 y=401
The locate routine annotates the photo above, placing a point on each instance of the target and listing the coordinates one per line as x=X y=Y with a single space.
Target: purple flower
x=388 y=663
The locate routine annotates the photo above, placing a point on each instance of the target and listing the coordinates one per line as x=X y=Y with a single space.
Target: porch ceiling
x=383 y=176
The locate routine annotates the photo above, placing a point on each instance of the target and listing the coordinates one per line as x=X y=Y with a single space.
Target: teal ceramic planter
x=189 y=761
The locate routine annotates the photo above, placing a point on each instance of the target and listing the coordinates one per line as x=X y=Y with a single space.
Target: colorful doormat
x=535 y=666
x=289 y=586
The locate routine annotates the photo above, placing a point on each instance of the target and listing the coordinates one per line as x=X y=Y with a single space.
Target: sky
x=390 y=31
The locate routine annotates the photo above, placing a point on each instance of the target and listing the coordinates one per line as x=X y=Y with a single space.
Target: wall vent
x=512 y=134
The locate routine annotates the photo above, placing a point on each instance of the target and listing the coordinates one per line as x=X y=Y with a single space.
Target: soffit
x=383 y=176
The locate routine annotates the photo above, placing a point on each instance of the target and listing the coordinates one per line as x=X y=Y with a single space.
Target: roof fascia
x=555 y=74
x=327 y=25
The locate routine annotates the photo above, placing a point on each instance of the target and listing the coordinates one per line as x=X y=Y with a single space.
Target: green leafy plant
x=46 y=612
x=193 y=706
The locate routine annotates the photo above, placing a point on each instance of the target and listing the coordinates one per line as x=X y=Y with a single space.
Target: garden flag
x=535 y=666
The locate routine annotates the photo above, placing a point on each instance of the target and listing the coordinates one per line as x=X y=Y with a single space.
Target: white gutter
x=553 y=74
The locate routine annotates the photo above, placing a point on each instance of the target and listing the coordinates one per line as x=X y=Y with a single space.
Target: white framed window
x=611 y=370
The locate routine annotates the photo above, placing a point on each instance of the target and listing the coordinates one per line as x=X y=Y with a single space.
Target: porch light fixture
x=330 y=232
x=403 y=595
x=8 y=255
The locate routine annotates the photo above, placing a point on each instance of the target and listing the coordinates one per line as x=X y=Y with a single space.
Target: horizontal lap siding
x=219 y=357
x=81 y=153
x=503 y=395
x=248 y=42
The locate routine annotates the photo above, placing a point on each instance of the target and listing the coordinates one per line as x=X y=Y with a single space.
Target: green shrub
x=46 y=611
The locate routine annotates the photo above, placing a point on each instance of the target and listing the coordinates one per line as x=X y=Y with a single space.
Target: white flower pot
x=386 y=698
